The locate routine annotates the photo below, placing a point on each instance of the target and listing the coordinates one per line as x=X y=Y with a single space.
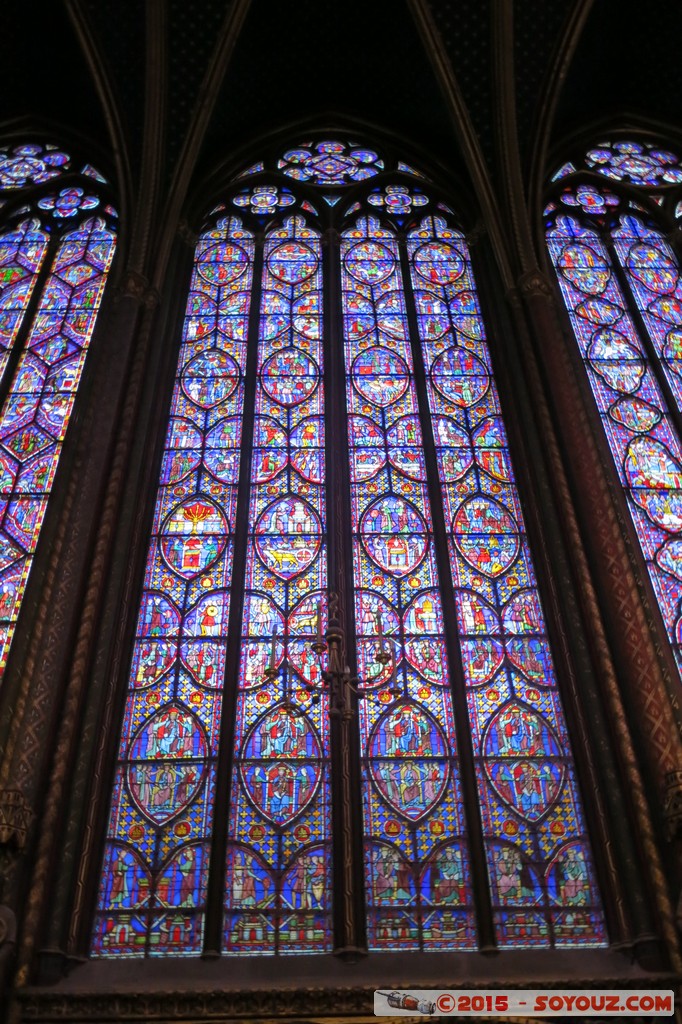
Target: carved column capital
x=672 y=804
x=534 y=284
x=477 y=232
x=15 y=817
x=134 y=285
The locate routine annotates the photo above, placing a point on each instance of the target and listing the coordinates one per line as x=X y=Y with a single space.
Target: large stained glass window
x=336 y=477
x=621 y=284
x=57 y=240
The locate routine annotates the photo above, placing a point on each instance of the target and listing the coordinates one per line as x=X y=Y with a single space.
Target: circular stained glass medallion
x=394 y=535
x=193 y=536
x=289 y=376
x=292 y=262
x=486 y=535
x=210 y=378
x=439 y=263
x=460 y=376
x=380 y=376
x=370 y=262
x=288 y=536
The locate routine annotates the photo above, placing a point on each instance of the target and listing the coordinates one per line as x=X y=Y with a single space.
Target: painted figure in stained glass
x=60 y=297
x=167 y=765
x=569 y=877
x=392 y=879
x=516 y=882
x=443 y=880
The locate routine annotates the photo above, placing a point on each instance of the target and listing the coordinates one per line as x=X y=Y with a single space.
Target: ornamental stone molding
x=15 y=818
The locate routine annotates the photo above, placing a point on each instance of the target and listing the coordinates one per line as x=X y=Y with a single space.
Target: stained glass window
x=56 y=246
x=154 y=886
x=336 y=466
x=278 y=876
x=620 y=281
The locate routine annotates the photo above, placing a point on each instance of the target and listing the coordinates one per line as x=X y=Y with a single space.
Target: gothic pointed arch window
x=57 y=240
x=609 y=232
x=343 y=725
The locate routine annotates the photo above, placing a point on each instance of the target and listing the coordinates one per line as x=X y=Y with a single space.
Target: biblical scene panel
x=278 y=889
x=22 y=251
x=36 y=413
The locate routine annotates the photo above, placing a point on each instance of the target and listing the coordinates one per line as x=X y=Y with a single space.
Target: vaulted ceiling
x=160 y=91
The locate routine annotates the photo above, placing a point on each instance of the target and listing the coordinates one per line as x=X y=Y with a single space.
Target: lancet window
x=57 y=240
x=609 y=229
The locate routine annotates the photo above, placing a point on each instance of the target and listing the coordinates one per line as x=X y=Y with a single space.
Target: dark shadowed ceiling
x=182 y=84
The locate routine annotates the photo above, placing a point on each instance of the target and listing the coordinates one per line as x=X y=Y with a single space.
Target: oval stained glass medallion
x=408 y=760
x=280 y=766
x=394 y=535
x=193 y=536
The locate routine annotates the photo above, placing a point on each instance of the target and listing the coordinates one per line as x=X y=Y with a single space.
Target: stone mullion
x=350 y=938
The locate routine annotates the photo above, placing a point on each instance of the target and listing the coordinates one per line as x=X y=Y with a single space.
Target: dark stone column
x=48 y=675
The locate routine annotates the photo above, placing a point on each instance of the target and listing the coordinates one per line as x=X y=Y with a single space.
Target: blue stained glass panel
x=36 y=413
x=416 y=855
x=539 y=862
x=153 y=889
x=278 y=891
x=21 y=257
